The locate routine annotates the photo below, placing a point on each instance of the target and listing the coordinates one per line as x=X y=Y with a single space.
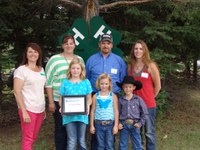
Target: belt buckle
x=129 y=121
x=104 y=123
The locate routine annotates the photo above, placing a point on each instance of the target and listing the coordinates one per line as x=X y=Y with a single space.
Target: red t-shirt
x=147 y=91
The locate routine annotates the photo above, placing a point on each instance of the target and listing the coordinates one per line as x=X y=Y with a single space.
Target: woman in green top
x=56 y=73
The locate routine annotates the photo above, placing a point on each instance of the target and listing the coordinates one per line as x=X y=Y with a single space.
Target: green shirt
x=56 y=72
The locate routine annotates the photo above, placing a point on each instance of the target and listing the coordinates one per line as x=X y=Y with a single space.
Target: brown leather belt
x=131 y=121
x=104 y=122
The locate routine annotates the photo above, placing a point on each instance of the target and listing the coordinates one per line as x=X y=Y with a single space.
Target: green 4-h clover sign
x=87 y=39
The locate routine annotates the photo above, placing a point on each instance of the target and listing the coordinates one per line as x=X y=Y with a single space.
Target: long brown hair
x=37 y=48
x=146 y=57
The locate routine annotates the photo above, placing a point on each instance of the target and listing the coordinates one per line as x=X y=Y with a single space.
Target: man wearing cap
x=105 y=61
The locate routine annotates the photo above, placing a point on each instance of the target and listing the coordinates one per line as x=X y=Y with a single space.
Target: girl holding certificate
x=76 y=84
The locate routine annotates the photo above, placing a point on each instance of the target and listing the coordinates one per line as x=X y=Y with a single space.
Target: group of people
x=120 y=97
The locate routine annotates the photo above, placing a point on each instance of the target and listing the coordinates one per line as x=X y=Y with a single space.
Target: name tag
x=42 y=74
x=144 y=75
x=114 y=71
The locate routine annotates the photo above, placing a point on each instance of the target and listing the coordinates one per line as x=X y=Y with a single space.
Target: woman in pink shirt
x=29 y=81
x=143 y=69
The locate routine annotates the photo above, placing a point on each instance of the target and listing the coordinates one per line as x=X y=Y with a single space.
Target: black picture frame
x=74 y=105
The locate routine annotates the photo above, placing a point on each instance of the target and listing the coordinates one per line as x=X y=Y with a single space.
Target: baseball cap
x=106 y=37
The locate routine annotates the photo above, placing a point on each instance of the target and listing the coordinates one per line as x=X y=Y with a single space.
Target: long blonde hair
x=103 y=76
x=76 y=61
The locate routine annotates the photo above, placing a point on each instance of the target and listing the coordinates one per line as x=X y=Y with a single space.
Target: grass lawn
x=177 y=129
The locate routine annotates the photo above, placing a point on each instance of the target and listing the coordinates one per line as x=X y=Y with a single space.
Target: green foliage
x=7 y=60
x=165 y=62
x=32 y=21
x=162 y=103
x=186 y=22
x=42 y=146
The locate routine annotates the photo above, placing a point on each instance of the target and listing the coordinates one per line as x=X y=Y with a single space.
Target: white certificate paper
x=74 y=104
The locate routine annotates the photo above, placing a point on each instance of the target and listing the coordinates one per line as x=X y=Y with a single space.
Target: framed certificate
x=74 y=104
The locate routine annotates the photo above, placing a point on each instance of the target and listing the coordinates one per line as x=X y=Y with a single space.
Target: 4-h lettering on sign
x=86 y=45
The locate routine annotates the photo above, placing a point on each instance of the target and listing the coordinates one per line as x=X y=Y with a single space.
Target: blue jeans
x=60 y=133
x=93 y=142
x=150 y=129
x=105 y=137
x=76 y=132
x=135 y=136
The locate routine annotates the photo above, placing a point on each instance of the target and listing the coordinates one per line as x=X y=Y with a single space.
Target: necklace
x=70 y=57
x=137 y=66
x=68 y=60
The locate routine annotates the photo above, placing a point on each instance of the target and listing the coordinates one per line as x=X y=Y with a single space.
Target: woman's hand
x=52 y=107
x=60 y=110
x=45 y=115
x=26 y=117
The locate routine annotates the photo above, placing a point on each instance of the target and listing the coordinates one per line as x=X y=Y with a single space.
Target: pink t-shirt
x=33 y=89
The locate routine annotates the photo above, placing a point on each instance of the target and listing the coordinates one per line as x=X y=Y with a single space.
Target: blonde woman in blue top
x=76 y=84
x=104 y=113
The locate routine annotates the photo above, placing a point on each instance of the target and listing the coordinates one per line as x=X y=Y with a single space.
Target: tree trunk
x=1 y=89
x=194 y=69
x=90 y=9
x=187 y=70
x=18 y=44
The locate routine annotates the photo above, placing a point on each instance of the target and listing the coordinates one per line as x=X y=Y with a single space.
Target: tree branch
x=72 y=3
x=123 y=3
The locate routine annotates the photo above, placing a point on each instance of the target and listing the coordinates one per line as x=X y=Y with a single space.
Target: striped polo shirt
x=56 y=72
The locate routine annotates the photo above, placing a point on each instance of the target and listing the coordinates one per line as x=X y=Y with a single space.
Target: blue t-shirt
x=81 y=88
x=113 y=65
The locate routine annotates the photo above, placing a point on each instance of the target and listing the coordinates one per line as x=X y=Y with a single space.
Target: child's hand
x=60 y=110
x=136 y=125
x=115 y=130
x=92 y=129
x=120 y=126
